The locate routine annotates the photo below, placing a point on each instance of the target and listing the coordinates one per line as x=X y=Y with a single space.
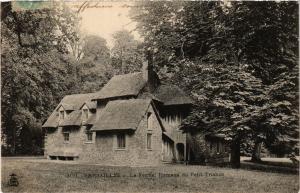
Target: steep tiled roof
x=52 y=120
x=90 y=105
x=68 y=107
x=147 y=95
x=69 y=102
x=77 y=100
x=72 y=119
x=172 y=95
x=122 y=115
x=169 y=135
x=91 y=120
x=122 y=85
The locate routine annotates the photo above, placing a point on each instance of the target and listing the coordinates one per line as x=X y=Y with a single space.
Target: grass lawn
x=39 y=175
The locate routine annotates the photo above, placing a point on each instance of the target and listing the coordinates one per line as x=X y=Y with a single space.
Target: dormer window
x=149 y=121
x=85 y=114
x=149 y=131
x=61 y=114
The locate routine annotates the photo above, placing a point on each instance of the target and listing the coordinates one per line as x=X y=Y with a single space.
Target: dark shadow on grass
x=268 y=166
x=274 y=163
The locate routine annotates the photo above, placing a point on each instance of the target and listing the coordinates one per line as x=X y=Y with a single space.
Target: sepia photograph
x=150 y=96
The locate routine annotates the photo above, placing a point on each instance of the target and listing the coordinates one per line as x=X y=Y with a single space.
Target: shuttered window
x=121 y=141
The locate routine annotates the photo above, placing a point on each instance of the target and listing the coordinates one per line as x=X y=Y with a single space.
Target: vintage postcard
x=150 y=96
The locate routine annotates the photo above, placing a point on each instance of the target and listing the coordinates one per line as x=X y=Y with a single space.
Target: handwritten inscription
x=90 y=5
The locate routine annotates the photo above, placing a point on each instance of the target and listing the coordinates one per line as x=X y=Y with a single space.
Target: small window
x=149 y=121
x=218 y=147
x=149 y=135
x=85 y=114
x=121 y=143
x=89 y=136
x=62 y=114
x=66 y=136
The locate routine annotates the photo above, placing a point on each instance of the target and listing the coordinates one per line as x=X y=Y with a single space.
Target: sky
x=105 y=18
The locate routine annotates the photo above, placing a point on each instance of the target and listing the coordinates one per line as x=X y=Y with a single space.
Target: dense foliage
x=237 y=59
x=36 y=72
x=127 y=53
x=45 y=57
x=95 y=65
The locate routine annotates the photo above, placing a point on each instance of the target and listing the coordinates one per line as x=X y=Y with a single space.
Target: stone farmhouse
x=133 y=120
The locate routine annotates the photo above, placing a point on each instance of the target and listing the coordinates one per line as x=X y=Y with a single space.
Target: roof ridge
x=121 y=85
x=79 y=94
x=126 y=100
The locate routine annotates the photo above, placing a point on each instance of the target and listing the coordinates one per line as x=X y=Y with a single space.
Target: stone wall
x=102 y=149
x=55 y=144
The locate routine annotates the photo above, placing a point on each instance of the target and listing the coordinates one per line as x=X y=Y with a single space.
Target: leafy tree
x=171 y=31
x=126 y=54
x=227 y=96
x=95 y=66
x=36 y=72
x=280 y=116
x=96 y=48
x=262 y=35
x=232 y=57
x=266 y=41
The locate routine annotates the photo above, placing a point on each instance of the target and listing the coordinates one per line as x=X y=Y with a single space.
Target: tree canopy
x=127 y=53
x=36 y=71
x=237 y=59
x=95 y=65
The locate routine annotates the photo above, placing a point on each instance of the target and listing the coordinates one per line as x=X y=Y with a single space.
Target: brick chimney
x=147 y=68
x=148 y=73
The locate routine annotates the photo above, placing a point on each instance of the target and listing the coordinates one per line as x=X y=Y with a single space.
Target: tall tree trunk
x=256 y=151
x=14 y=141
x=235 y=159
